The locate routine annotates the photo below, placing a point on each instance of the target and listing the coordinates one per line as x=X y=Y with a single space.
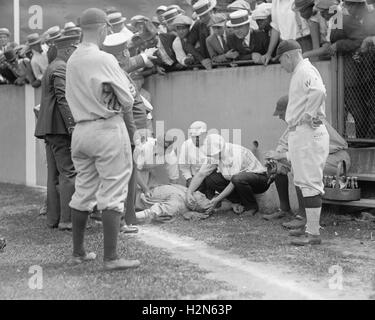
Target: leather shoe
x=128 y=229
x=297 y=232
x=120 y=264
x=308 y=240
x=276 y=215
x=295 y=224
x=86 y=258
x=65 y=226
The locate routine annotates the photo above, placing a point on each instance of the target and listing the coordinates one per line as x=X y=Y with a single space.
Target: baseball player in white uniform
x=308 y=139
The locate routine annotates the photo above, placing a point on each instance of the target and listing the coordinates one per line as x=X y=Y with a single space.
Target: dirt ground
x=223 y=257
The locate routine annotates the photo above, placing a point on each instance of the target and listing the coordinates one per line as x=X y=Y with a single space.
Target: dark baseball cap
x=281 y=105
x=93 y=16
x=285 y=46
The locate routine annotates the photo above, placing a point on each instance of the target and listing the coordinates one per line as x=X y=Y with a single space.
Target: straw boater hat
x=71 y=29
x=238 y=18
x=53 y=33
x=138 y=18
x=161 y=8
x=5 y=31
x=116 y=18
x=67 y=41
x=170 y=15
x=177 y=7
x=33 y=39
x=204 y=6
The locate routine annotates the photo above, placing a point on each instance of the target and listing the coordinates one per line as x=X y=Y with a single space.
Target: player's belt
x=316 y=122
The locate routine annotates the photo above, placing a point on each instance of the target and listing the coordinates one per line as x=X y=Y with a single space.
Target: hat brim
x=122 y=20
x=54 y=37
x=278 y=113
x=219 y=24
x=212 y=6
x=231 y=25
x=171 y=19
x=34 y=42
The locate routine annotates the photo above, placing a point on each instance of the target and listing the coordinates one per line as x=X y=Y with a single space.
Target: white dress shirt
x=288 y=23
x=234 y=159
x=179 y=51
x=39 y=63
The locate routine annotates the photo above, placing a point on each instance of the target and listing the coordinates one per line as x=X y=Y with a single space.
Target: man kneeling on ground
x=234 y=172
x=337 y=153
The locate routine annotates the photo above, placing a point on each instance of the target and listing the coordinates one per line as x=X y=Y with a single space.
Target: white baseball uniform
x=308 y=146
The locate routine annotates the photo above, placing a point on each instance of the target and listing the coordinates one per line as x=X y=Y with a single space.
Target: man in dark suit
x=249 y=43
x=55 y=124
x=217 y=43
x=200 y=30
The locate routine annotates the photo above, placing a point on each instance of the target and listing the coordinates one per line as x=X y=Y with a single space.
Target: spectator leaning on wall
x=39 y=60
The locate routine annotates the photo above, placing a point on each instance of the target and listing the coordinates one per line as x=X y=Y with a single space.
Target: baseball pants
x=101 y=154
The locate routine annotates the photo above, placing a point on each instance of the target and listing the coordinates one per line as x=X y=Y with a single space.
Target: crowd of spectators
x=210 y=37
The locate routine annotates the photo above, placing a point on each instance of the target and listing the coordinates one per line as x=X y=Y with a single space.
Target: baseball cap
x=197 y=128
x=281 y=105
x=285 y=46
x=93 y=16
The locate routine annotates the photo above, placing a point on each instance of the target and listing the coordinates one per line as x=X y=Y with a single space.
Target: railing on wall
x=356 y=97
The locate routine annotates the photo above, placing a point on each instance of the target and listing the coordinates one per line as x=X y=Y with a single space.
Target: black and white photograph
x=187 y=157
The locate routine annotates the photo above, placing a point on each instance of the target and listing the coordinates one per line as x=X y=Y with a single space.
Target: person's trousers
x=246 y=184
x=102 y=156
x=130 y=217
x=60 y=155
x=53 y=197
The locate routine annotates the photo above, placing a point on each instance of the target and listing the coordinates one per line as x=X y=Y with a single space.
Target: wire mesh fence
x=359 y=96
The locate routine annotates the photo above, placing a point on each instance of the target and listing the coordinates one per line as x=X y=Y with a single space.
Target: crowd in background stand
x=244 y=33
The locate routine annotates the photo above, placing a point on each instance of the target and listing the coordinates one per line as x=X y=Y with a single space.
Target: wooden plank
x=363 y=176
x=367 y=203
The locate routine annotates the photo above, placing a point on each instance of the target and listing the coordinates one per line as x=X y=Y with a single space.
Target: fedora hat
x=170 y=15
x=238 y=18
x=217 y=20
x=116 y=18
x=204 y=6
x=53 y=33
x=182 y=20
x=239 y=5
x=33 y=39
x=5 y=31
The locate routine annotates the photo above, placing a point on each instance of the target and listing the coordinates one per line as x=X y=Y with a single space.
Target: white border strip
x=29 y=137
x=16 y=12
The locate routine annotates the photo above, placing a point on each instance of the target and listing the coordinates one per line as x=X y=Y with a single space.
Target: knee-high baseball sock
x=301 y=202
x=111 y=229
x=79 y=221
x=313 y=207
x=282 y=187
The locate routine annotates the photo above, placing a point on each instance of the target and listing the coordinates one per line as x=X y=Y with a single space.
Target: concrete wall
x=231 y=98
